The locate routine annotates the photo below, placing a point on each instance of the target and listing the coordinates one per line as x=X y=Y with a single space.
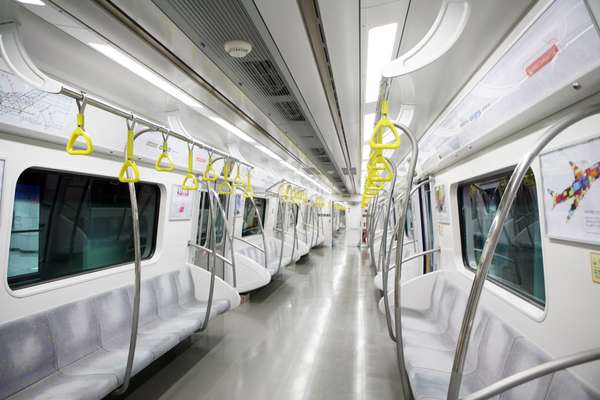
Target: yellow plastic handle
x=129 y=163
x=237 y=180
x=248 y=190
x=209 y=174
x=164 y=156
x=194 y=182
x=383 y=123
x=79 y=132
x=123 y=173
x=224 y=188
x=190 y=175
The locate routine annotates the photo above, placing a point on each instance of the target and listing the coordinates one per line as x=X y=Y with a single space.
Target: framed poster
x=441 y=204
x=182 y=202
x=571 y=191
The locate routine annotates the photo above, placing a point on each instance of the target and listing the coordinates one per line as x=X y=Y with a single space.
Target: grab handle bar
x=535 y=372
x=135 y=317
x=249 y=243
x=200 y=247
x=493 y=237
x=417 y=255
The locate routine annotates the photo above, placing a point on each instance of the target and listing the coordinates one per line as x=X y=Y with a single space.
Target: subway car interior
x=300 y=199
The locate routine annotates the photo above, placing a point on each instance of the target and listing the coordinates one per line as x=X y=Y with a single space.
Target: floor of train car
x=312 y=333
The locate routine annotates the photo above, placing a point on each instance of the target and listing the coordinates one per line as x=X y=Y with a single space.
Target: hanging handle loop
x=209 y=174
x=376 y=142
x=164 y=156
x=248 y=190
x=190 y=182
x=80 y=132
x=129 y=163
x=237 y=180
x=225 y=187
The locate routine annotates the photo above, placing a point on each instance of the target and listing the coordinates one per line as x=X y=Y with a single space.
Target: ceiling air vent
x=266 y=77
x=290 y=110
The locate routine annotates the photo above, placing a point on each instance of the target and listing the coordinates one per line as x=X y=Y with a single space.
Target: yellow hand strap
x=80 y=132
x=225 y=187
x=237 y=180
x=209 y=174
x=382 y=124
x=129 y=163
x=190 y=182
x=249 y=191
x=164 y=156
x=284 y=192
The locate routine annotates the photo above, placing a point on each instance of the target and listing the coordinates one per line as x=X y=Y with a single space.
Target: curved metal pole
x=384 y=265
x=260 y=223
x=493 y=237
x=295 y=239
x=227 y=233
x=283 y=226
x=536 y=372
x=213 y=244
x=135 y=318
x=405 y=382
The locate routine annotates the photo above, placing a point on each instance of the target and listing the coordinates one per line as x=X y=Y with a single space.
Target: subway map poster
x=571 y=190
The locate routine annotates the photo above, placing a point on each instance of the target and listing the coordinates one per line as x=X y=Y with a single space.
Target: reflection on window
x=517 y=263
x=251 y=224
x=66 y=224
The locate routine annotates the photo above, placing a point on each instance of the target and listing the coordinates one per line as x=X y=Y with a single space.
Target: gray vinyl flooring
x=313 y=333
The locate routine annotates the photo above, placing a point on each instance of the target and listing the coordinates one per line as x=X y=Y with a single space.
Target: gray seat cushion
x=26 y=353
x=59 y=386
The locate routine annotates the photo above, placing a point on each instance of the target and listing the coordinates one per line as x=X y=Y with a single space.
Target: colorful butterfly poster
x=571 y=192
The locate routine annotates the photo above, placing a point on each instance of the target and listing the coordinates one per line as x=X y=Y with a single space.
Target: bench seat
x=496 y=351
x=79 y=350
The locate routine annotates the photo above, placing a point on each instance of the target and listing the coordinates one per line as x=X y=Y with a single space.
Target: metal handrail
x=227 y=233
x=283 y=231
x=257 y=247
x=493 y=237
x=534 y=373
x=219 y=256
x=404 y=381
x=135 y=316
x=213 y=243
x=417 y=255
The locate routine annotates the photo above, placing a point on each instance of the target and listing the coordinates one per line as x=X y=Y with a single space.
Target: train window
x=517 y=264
x=251 y=225
x=203 y=217
x=67 y=224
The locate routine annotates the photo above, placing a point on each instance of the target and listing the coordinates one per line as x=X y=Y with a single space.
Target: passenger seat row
x=496 y=351
x=79 y=350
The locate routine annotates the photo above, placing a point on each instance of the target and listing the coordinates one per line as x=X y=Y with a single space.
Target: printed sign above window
x=570 y=178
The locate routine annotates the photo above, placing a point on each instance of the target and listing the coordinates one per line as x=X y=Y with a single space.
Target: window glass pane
x=251 y=225
x=66 y=224
x=204 y=217
x=517 y=263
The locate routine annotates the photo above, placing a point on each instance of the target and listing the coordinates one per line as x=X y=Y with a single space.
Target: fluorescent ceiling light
x=146 y=73
x=268 y=152
x=380 y=44
x=32 y=2
x=233 y=129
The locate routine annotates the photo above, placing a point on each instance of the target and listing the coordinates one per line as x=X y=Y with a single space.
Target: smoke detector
x=237 y=48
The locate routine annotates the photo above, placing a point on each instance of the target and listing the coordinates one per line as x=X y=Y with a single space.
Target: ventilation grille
x=290 y=110
x=265 y=77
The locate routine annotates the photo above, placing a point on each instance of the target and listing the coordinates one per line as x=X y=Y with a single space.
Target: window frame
x=498 y=282
x=32 y=288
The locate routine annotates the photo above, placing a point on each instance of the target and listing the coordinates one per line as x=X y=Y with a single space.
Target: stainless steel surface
x=262 y=229
x=417 y=255
x=249 y=244
x=213 y=250
x=406 y=389
x=535 y=372
x=209 y=251
x=493 y=237
x=227 y=233
x=314 y=333
x=383 y=259
x=281 y=203
x=135 y=314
